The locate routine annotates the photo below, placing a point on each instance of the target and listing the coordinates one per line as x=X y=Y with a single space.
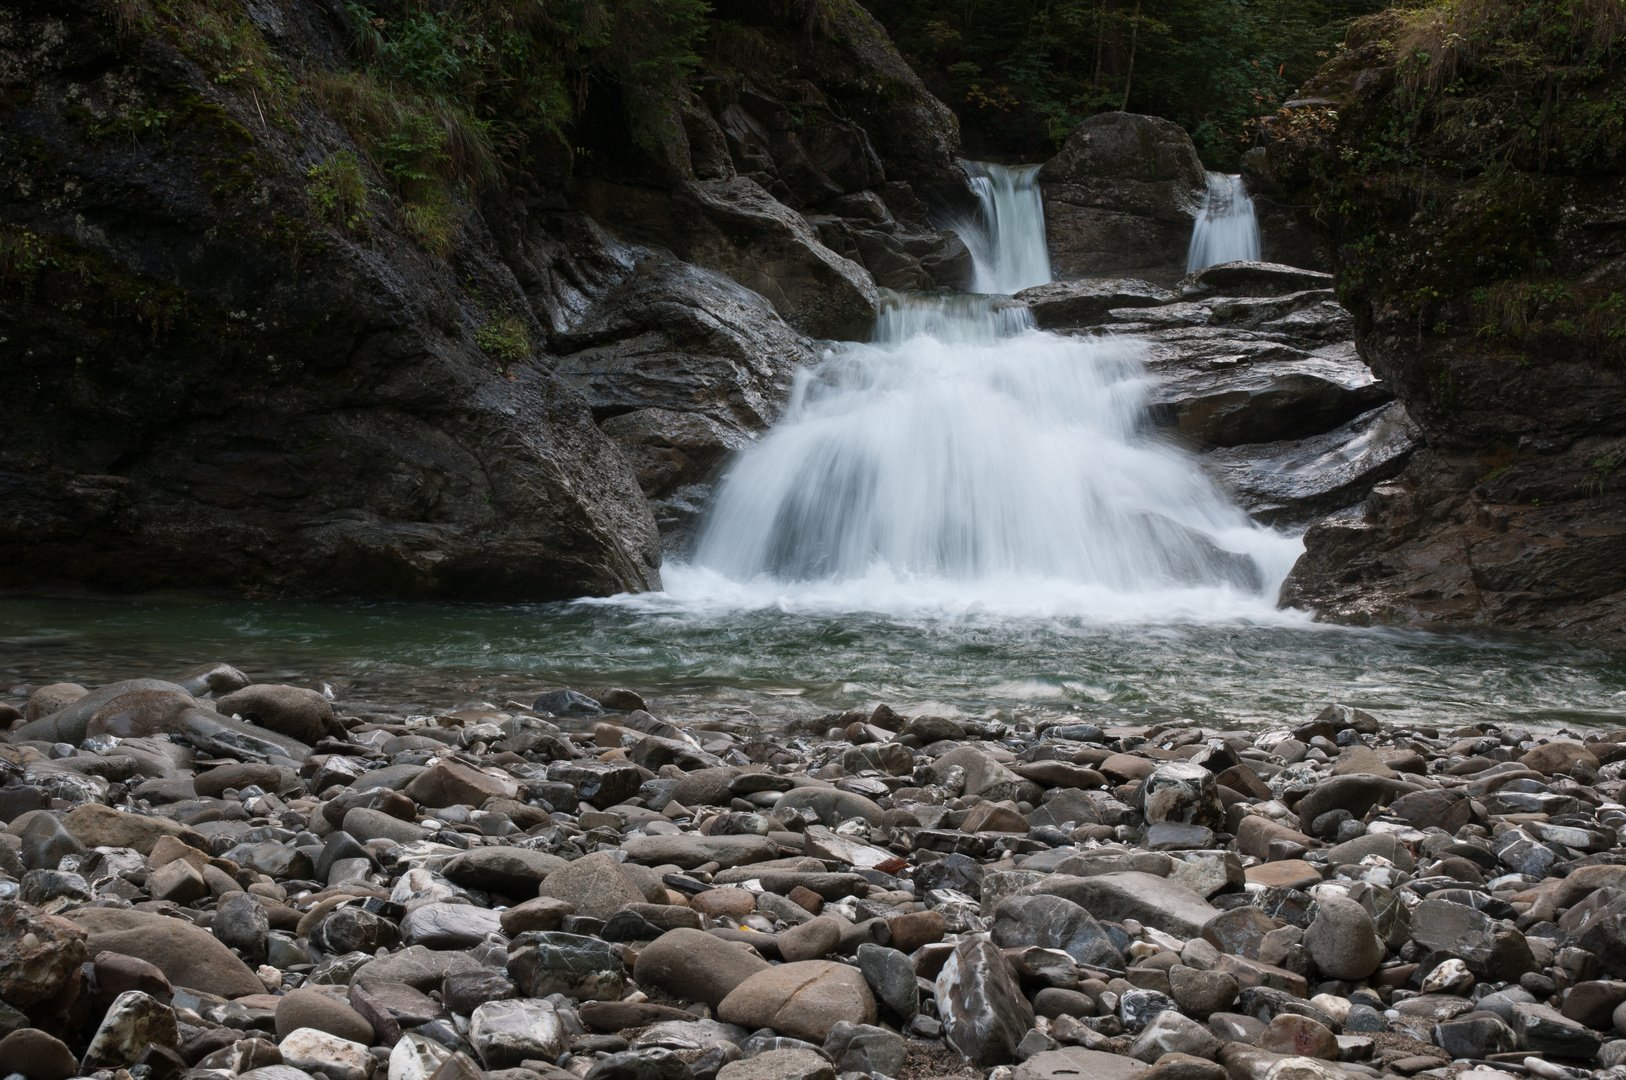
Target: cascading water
x=963 y=453
x=1002 y=240
x=1226 y=229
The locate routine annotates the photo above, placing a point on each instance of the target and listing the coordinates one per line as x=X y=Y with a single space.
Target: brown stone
x=37 y=1055
x=1299 y=1036
x=803 y=1000
x=1285 y=874
x=116 y=973
x=1127 y=767
x=811 y=940
x=212 y=782
x=541 y=913
x=187 y=954
x=306 y=1008
x=1255 y=833
x=1558 y=756
x=914 y=929
x=696 y=966
x=448 y=783
x=806 y=899
x=95 y=825
x=994 y=817
x=734 y=903
x=39 y=954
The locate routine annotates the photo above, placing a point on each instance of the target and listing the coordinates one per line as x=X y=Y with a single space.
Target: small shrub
x=504 y=339
x=23 y=255
x=431 y=222
x=338 y=192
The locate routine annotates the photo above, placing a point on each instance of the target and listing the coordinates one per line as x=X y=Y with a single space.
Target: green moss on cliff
x=55 y=272
x=1446 y=151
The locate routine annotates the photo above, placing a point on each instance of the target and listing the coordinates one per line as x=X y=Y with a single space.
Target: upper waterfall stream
x=963 y=456
x=1226 y=229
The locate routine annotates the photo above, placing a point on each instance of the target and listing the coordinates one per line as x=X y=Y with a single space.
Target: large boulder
x=696 y=966
x=803 y=1000
x=210 y=387
x=681 y=367
x=1121 y=197
x=188 y=955
x=1262 y=392
x=293 y=711
x=68 y=723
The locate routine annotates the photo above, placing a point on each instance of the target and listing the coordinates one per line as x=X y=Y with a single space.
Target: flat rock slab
x=1294 y=481
x=1063 y=305
x=689 y=850
x=1077 y=1063
x=1257 y=394
x=1153 y=901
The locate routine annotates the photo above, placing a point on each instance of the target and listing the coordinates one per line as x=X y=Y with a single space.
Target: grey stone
x=241 y=923
x=132 y=1023
x=1343 y=941
x=449 y=926
x=1169 y=1032
x=552 y=962
x=1053 y=922
x=891 y=976
x=1153 y=901
x=865 y=1048
x=983 y=1010
x=512 y=871
x=688 y=850
x=507 y=1033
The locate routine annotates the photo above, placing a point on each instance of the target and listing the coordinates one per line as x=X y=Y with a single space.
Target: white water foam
x=1226 y=229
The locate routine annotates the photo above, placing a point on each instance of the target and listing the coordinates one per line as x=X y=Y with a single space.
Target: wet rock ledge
x=209 y=879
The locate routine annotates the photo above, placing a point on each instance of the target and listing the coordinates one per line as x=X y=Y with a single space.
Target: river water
x=964 y=514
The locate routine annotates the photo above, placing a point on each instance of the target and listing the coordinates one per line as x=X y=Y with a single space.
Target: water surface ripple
x=793 y=658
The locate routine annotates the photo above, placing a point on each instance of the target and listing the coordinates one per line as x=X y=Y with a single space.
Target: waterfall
x=962 y=453
x=1226 y=229
x=1002 y=242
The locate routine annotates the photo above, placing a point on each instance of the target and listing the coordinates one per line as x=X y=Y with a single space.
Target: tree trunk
x=1129 y=75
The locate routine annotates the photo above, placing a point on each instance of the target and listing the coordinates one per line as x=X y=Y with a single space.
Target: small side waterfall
x=964 y=457
x=1226 y=229
x=1003 y=242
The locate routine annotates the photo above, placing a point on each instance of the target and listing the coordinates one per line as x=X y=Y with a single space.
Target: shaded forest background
x=1021 y=74
x=469 y=90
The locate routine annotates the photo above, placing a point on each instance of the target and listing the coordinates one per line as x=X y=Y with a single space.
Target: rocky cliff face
x=808 y=155
x=1479 y=247
x=233 y=361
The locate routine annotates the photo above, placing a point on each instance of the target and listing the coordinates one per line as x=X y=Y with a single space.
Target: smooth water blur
x=1226 y=229
x=715 y=649
x=980 y=465
x=1007 y=241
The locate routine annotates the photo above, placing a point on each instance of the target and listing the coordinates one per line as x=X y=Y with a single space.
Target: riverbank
x=253 y=880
